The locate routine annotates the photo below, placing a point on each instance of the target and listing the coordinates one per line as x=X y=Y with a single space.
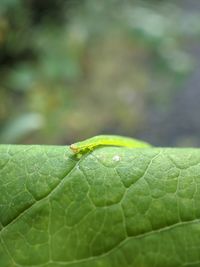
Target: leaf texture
x=113 y=207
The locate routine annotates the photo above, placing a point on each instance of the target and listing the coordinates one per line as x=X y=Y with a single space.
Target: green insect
x=106 y=140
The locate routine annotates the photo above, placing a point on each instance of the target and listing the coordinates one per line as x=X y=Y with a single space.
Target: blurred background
x=71 y=69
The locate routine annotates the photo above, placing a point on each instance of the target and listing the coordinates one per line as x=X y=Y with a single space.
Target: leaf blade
x=113 y=207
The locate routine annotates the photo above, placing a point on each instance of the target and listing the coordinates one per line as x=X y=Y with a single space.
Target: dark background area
x=73 y=69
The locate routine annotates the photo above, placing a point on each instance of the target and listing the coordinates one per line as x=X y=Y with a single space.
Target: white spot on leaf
x=116 y=158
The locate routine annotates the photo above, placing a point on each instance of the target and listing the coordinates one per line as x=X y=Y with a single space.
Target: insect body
x=106 y=140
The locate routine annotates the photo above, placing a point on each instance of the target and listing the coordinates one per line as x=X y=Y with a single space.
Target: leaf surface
x=113 y=207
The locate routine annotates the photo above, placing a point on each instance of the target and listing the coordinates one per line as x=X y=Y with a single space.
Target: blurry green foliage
x=71 y=69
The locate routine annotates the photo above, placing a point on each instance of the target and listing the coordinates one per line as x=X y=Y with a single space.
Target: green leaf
x=114 y=207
